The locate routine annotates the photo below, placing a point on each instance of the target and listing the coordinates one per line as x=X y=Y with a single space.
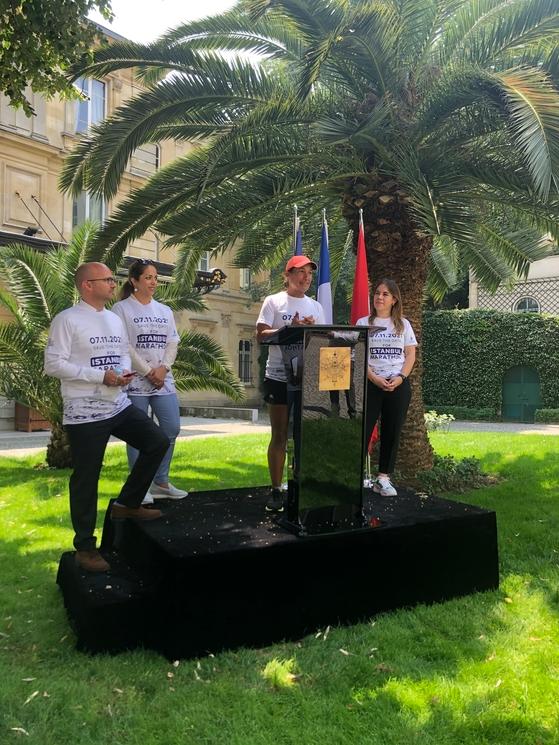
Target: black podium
x=326 y=368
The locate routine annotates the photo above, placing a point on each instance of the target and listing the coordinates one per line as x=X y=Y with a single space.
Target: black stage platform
x=215 y=572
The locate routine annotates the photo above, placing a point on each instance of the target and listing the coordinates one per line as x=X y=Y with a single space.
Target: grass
x=480 y=669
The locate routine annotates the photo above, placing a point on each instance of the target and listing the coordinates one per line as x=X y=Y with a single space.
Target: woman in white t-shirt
x=391 y=359
x=154 y=340
x=291 y=307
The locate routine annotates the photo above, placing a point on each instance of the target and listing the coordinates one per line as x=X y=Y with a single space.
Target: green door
x=521 y=394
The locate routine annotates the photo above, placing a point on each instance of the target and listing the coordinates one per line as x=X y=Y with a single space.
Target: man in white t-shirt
x=87 y=350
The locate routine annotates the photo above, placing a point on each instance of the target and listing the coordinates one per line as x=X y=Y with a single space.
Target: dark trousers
x=392 y=406
x=349 y=399
x=88 y=442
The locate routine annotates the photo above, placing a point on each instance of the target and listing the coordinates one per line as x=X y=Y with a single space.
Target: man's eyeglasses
x=108 y=280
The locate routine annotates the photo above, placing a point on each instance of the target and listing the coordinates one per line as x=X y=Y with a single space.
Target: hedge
x=467 y=352
x=547 y=416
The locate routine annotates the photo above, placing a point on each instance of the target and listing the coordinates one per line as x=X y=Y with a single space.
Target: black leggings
x=392 y=406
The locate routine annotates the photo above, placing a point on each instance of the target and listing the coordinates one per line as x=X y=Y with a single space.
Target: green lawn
x=482 y=669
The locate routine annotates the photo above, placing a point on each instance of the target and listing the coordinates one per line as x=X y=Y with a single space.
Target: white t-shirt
x=386 y=348
x=83 y=343
x=150 y=328
x=278 y=311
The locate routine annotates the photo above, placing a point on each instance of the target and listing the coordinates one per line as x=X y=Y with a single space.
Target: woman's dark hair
x=396 y=313
x=135 y=271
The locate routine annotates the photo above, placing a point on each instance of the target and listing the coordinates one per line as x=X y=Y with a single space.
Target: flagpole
x=295 y=219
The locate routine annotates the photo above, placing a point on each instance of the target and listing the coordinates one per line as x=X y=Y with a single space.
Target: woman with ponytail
x=153 y=348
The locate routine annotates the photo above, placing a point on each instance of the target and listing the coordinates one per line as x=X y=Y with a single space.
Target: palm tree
x=40 y=285
x=438 y=118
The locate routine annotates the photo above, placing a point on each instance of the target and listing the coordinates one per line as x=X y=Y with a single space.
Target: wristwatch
x=401 y=375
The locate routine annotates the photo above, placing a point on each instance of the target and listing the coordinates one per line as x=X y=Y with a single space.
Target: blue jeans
x=166 y=409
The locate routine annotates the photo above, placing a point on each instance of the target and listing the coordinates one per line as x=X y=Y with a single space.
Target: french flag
x=324 y=294
x=298 y=240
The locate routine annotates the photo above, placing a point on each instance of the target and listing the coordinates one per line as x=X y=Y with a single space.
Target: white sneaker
x=167 y=492
x=383 y=486
x=148 y=499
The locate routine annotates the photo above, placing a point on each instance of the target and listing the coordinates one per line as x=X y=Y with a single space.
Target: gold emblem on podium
x=335 y=369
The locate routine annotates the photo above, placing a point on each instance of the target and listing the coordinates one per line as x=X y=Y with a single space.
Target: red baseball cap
x=296 y=262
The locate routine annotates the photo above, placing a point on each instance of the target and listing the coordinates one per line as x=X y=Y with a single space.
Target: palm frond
x=234 y=31
x=481 y=31
x=159 y=56
x=443 y=271
x=99 y=161
x=21 y=371
x=29 y=277
x=180 y=297
x=518 y=248
x=533 y=104
x=202 y=365
x=490 y=268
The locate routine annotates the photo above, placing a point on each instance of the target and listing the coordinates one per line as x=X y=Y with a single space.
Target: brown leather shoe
x=120 y=511
x=92 y=561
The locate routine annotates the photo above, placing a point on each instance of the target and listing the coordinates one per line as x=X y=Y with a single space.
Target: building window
x=145 y=159
x=91 y=109
x=245 y=361
x=527 y=305
x=244 y=281
x=87 y=207
x=204 y=261
x=16 y=120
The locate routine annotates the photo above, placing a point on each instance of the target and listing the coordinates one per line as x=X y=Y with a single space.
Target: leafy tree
x=438 y=118
x=39 y=41
x=40 y=285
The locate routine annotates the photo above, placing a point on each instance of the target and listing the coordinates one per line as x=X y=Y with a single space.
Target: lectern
x=326 y=368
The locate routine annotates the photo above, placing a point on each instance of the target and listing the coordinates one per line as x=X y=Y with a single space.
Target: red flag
x=374 y=438
x=360 y=306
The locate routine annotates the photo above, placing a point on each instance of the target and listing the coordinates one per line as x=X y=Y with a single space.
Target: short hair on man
x=83 y=270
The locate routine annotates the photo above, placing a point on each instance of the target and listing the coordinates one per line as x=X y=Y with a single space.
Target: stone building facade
x=32 y=151
x=538 y=293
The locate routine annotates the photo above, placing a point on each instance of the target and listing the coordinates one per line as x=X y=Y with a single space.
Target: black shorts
x=275 y=392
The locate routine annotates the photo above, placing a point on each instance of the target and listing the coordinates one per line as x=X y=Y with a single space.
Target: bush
x=547 y=416
x=467 y=413
x=434 y=421
x=449 y=474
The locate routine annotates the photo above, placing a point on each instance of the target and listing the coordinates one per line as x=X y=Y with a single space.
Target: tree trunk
x=396 y=250
x=58 y=449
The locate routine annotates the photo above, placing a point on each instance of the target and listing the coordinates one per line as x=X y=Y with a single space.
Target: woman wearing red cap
x=290 y=307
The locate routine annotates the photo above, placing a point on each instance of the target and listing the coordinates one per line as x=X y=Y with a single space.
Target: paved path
x=23 y=443
x=512 y=427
